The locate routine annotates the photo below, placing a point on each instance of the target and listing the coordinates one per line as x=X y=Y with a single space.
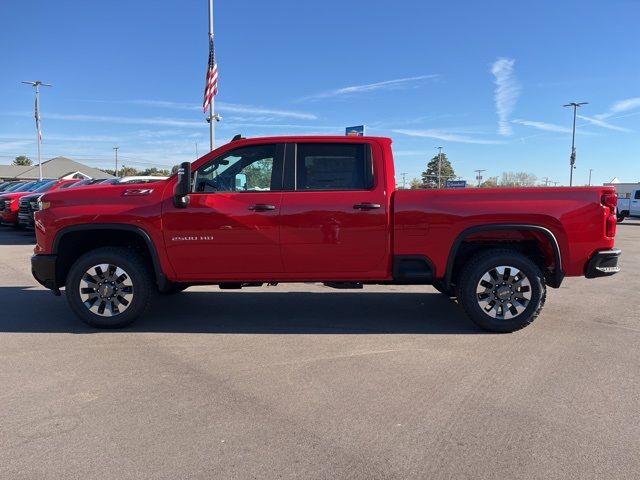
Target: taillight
x=610 y=200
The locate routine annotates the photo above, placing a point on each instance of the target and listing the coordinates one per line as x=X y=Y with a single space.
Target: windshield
x=45 y=187
x=24 y=187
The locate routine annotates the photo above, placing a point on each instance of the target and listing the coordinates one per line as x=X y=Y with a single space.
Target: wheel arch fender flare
x=160 y=278
x=558 y=273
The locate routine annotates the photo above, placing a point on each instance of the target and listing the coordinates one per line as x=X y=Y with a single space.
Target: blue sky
x=486 y=80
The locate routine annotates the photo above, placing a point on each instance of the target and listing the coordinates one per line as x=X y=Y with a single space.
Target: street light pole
x=590 y=170
x=37 y=84
x=572 y=158
x=116 y=170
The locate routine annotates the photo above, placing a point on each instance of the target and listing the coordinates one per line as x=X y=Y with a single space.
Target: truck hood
x=98 y=196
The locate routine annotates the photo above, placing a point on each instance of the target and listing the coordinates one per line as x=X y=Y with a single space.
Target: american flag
x=211 y=87
x=38 y=119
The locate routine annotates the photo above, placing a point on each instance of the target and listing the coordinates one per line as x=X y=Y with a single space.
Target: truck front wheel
x=501 y=290
x=108 y=287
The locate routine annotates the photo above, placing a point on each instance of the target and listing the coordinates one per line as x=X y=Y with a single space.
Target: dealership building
x=58 y=167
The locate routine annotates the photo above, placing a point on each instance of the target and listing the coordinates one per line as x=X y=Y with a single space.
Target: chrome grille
x=24 y=206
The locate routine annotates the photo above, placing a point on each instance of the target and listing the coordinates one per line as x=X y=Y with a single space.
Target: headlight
x=43 y=205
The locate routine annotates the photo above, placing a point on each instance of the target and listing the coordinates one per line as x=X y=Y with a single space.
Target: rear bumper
x=43 y=269
x=603 y=263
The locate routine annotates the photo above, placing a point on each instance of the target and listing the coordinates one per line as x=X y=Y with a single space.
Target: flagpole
x=211 y=118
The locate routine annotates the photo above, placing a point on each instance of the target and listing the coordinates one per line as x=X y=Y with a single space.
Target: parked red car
x=10 y=202
x=318 y=209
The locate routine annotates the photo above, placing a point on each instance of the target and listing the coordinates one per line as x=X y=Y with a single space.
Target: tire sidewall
x=134 y=269
x=472 y=276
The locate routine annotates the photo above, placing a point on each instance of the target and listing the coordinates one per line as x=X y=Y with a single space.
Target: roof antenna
x=237 y=137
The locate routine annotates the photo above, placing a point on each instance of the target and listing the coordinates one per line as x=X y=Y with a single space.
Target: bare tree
x=518 y=179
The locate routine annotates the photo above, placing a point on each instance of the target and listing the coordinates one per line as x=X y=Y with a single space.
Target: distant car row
x=19 y=200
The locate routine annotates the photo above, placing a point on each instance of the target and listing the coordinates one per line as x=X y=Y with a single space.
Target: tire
x=620 y=218
x=101 y=272
x=440 y=286
x=497 y=299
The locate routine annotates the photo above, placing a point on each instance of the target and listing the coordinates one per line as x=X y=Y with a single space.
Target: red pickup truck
x=318 y=209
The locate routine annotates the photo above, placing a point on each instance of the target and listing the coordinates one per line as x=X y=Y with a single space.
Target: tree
x=155 y=172
x=430 y=175
x=491 y=182
x=128 y=172
x=23 y=161
x=518 y=179
x=415 y=184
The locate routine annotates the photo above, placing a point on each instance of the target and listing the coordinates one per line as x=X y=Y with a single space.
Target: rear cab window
x=333 y=166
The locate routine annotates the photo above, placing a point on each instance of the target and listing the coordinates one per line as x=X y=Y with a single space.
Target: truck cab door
x=230 y=230
x=335 y=214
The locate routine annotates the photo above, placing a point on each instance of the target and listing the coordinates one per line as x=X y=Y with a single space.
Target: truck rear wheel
x=440 y=286
x=502 y=290
x=108 y=287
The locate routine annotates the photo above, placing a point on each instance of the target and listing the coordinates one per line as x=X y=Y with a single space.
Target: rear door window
x=333 y=166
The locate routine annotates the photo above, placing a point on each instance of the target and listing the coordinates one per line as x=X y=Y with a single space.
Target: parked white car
x=629 y=207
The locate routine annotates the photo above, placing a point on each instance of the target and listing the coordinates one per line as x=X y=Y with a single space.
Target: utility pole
x=404 y=180
x=479 y=176
x=572 y=158
x=197 y=157
x=439 y=166
x=590 y=170
x=37 y=84
x=116 y=170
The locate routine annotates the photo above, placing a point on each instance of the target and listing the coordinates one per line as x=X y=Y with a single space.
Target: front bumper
x=603 y=263
x=43 y=269
x=9 y=218
x=26 y=220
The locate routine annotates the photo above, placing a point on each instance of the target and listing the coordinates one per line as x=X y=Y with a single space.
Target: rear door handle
x=366 y=206
x=261 y=207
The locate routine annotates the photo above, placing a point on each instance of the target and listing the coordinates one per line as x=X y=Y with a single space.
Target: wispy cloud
x=447 y=136
x=249 y=109
x=625 y=105
x=601 y=123
x=548 y=127
x=506 y=93
x=395 y=84
x=222 y=107
x=620 y=106
x=160 y=121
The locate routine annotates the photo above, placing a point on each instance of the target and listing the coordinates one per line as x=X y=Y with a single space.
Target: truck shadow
x=29 y=310
x=12 y=236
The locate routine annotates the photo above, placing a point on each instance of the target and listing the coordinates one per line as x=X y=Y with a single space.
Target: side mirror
x=183 y=186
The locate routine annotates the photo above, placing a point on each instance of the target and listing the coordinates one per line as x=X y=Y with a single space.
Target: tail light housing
x=610 y=201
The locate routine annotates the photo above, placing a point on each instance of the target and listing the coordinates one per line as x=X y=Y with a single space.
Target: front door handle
x=366 y=206
x=261 y=207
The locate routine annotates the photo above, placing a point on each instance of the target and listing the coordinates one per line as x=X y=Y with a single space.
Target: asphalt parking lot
x=302 y=381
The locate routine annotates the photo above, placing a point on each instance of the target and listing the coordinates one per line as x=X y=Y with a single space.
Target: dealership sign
x=357 y=131
x=456 y=184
